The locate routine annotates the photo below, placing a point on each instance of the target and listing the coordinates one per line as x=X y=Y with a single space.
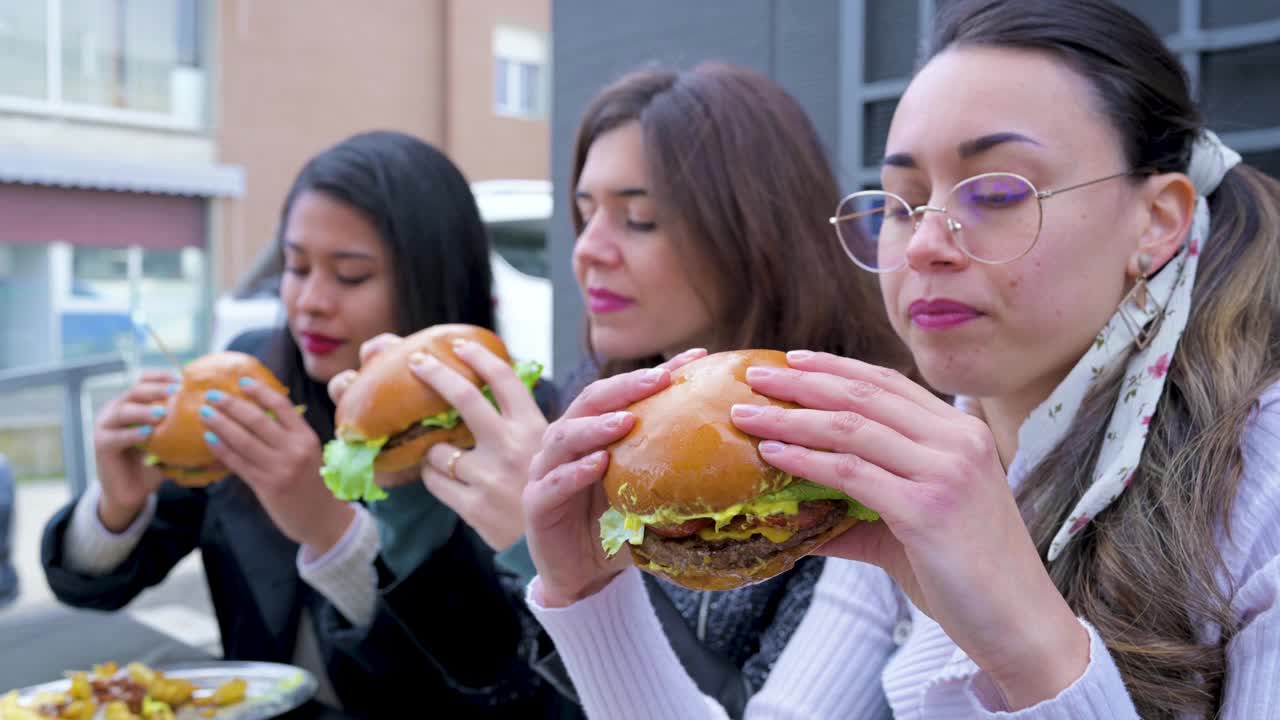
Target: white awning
x=29 y=166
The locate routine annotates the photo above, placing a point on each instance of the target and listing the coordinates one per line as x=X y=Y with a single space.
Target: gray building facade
x=848 y=62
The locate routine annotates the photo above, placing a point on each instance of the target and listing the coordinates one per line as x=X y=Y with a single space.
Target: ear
x=1170 y=202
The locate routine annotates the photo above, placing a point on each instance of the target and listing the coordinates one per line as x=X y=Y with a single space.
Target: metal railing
x=71 y=376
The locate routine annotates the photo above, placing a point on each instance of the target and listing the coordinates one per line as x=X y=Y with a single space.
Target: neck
x=1006 y=413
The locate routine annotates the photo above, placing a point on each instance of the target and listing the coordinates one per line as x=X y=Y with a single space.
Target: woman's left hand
x=952 y=535
x=484 y=485
x=261 y=439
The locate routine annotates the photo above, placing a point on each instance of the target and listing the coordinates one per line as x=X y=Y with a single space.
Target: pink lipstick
x=940 y=314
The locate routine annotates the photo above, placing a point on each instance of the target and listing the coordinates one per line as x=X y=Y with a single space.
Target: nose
x=597 y=243
x=933 y=245
x=317 y=296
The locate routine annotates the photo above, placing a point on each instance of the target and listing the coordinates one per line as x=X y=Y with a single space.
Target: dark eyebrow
x=966 y=150
x=623 y=193
x=980 y=145
x=339 y=255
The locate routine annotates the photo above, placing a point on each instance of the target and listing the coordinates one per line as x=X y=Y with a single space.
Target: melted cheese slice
x=774 y=534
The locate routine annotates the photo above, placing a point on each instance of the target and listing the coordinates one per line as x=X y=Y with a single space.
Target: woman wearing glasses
x=1090 y=531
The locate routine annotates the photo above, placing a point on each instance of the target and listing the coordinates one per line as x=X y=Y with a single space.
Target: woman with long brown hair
x=698 y=203
x=1090 y=531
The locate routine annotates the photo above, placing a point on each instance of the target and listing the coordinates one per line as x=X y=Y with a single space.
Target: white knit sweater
x=863 y=651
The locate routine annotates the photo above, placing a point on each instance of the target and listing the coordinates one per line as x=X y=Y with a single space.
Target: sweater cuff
x=345 y=574
x=1098 y=693
x=89 y=547
x=614 y=648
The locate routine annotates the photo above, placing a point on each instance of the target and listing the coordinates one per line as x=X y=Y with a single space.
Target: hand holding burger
x=692 y=496
x=389 y=417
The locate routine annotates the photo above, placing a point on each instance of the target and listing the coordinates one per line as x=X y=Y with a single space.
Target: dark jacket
x=258 y=597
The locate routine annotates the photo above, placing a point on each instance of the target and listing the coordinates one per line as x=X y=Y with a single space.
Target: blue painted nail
x=157 y=411
x=214 y=395
x=144 y=431
x=246 y=382
x=206 y=411
x=174 y=388
x=211 y=438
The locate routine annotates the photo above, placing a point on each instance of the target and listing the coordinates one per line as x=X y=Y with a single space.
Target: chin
x=613 y=344
x=323 y=369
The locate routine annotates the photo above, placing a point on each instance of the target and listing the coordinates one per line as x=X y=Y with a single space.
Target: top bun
x=178 y=439
x=386 y=398
x=684 y=453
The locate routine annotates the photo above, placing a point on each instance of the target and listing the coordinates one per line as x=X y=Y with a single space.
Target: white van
x=516 y=213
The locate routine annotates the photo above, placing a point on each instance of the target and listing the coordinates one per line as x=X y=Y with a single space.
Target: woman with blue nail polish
x=294 y=574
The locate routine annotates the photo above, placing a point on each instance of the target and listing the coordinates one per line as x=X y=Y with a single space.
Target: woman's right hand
x=564 y=500
x=122 y=427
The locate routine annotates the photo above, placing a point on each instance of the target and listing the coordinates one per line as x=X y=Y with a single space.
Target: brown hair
x=735 y=162
x=1146 y=571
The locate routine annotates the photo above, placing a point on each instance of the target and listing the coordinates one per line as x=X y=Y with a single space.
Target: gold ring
x=452 y=466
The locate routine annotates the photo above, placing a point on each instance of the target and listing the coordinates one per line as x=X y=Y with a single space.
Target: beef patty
x=692 y=552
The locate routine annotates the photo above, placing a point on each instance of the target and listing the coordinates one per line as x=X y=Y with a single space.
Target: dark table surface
x=39 y=646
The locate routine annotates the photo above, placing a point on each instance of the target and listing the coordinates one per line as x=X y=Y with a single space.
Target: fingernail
x=419 y=359
x=460 y=344
x=206 y=411
x=746 y=411
x=210 y=438
x=593 y=460
x=652 y=375
x=692 y=351
x=771 y=447
x=174 y=388
x=144 y=431
x=157 y=411
x=615 y=420
x=246 y=382
x=799 y=355
x=760 y=373
x=214 y=396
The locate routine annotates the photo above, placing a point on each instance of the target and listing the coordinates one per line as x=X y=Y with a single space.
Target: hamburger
x=388 y=418
x=176 y=447
x=691 y=496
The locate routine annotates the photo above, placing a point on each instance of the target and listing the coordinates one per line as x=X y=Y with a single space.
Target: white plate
x=273 y=689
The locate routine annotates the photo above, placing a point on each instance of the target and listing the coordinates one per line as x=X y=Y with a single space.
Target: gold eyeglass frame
x=953 y=225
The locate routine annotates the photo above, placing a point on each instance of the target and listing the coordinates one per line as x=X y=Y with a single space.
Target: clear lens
x=874 y=229
x=997 y=217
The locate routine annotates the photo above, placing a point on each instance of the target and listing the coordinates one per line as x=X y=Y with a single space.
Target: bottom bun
x=407 y=455
x=199 y=479
x=729 y=579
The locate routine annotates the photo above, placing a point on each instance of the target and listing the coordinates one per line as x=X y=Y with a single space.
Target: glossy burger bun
x=178 y=439
x=386 y=398
x=684 y=453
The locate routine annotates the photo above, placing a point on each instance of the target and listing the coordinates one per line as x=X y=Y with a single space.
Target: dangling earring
x=1140 y=298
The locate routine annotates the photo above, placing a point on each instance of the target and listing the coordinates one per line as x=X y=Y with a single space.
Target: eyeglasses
x=994 y=218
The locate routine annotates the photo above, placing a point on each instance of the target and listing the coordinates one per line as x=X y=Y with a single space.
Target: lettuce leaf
x=615 y=530
x=348 y=469
x=348 y=464
x=617 y=527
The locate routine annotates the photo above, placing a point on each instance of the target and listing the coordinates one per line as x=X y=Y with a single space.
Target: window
x=1231 y=49
x=23 y=48
x=118 y=60
x=519 y=82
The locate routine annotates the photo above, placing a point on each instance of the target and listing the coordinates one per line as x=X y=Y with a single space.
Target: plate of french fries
x=214 y=690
